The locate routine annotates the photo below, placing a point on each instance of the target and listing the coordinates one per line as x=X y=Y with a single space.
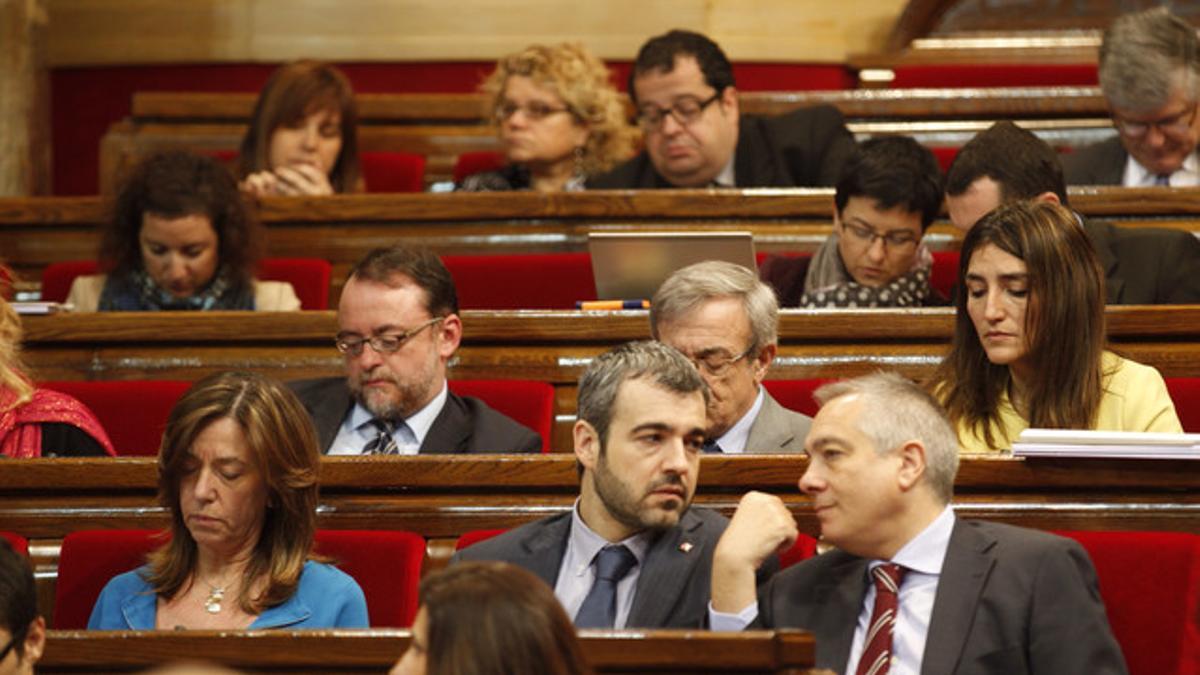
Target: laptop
x=632 y=265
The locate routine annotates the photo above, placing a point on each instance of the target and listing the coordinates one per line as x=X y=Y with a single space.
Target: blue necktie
x=599 y=608
x=1163 y=179
x=712 y=447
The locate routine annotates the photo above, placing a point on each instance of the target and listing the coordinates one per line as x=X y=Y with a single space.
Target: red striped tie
x=877 y=647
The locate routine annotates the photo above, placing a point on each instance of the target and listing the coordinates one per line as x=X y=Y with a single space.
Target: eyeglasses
x=863 y=234
x=717 y=364
x=382 y=344
x=534 y=111
x=686 y=110
x=1175 y=125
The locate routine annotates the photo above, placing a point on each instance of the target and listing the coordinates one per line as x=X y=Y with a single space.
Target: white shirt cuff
x=725 y=622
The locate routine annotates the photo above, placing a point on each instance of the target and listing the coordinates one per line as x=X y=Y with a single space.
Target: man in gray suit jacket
x=638 y=441
x=723 y=318
x=910 y=586
x=398 y=326
x=1150 y=75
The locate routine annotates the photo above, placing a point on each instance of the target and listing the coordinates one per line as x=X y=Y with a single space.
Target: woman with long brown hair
x=490 y=618
x=1029 y=337
x=238 y=471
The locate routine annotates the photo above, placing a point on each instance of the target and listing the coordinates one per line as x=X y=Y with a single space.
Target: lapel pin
x=686 y=547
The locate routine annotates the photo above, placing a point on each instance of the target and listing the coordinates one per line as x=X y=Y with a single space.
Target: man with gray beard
x=631 y=553
x=398 y=326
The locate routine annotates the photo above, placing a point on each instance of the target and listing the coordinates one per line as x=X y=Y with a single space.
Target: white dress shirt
x=733 y=441
x=357 y=430
x=922 y=557
x=1137 y=175
x=577 y=573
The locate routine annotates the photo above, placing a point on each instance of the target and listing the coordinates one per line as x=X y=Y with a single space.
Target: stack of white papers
x=1106 y=444
x=40 y=307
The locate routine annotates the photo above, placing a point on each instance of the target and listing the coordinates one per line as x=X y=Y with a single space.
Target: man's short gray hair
x=688 y=288
x=1144 y=55
x=660 y=364
x=895 y=411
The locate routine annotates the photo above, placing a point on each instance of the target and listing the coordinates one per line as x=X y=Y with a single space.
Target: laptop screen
x=631 y=266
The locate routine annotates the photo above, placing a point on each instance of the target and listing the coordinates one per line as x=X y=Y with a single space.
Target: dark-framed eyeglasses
x=686 y=110
x=897 y=239
x=534 y=111
x=717 y=364
x=352 y=345
x=1173 y=125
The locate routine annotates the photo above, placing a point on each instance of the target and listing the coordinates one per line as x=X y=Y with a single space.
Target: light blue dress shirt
x=357 y=430
x=577 y=572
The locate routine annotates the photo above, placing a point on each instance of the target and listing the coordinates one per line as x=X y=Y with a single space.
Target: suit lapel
x=770 y=431
x=329 y=413
x=840 y=597
x=666 y=570
x=1097 y=234
x=451 y=429
x=969 y=560
x=544 y=549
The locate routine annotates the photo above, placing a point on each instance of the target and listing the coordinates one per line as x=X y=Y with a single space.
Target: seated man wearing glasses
x=398 y=326
x=687 y=105
x=725 y=320
x=889 y=192
x=1150 y=75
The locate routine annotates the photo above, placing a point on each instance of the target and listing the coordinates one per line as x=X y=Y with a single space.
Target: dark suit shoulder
x=1147 y=265
x=813 y=142
x=1101 y=163
x=633 y=174
x=492 y=431
x=515 y=544
x=317 y=388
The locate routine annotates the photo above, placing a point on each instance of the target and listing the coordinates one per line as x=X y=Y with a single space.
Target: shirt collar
x=1137 y=175
x=735 y=438
x=586 y=543
x=926 y=552
x=726 y=178
x=420 y=422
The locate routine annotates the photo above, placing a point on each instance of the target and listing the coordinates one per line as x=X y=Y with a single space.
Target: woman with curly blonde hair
x=559 y=119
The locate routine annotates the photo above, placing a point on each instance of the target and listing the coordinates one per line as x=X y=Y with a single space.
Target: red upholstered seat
x=528 y=402
x=1185 y=392
x=996 y=75
x=804 y=548
x=944 y=273
x=87 y=560
x=945 y=156
x=19 y=543
x=1150 y=583
x=308 y=276
x=133 y=412
x=393 y=171
x=522 y=281
x=795 y=394
x=474 y=537
x=386 y=565
x=476 y=162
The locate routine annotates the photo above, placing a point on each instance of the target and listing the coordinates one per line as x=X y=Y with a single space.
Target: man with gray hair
x=1150 y=75
x=631 y=553
x=726 y=321
x=910 y=587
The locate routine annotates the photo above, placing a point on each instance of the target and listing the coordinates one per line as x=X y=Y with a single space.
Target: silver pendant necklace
x=212 y=604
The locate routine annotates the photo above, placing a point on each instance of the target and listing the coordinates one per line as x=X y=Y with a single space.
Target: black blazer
x=1147 y=266
x=1101 y=163
x=1009 y=601
x=465 y=424
x=806 y=147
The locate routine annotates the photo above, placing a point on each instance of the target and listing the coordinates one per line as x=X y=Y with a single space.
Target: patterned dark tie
x=1163 y=179
x=383 y=443
x=877 y=646
x=712 y=447
x=599 y=608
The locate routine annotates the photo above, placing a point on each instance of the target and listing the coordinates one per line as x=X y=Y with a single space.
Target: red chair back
x=795 y=394
x=804 y=548
x=308 y=276
x=1150 y=583
x=474 y=537
x=87 y=560
x=1185 y=392
x=393 y=171
x=133 y=412
x=19 y=543
x=387 y=566
x=522 y=281
x=476 y=162
x=529 y=403
x=944 y=273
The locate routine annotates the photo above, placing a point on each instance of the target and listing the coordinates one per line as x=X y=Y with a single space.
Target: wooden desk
x=35 y=232
x=551 y=346
x=375 y=651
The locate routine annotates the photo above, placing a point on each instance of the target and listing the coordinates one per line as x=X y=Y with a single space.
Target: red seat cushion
x=944 y=274
x=522 y=281
x=474 y=537
x=393 y=171
x=795 y=394
x=529 y=403
x=87 y=560
x=1150 y=583
x=19 y=543
x=133 y=412
x=58 y=277
x=1185 y=392
x=804 y=548
x=387 y=566
x=470 y=163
